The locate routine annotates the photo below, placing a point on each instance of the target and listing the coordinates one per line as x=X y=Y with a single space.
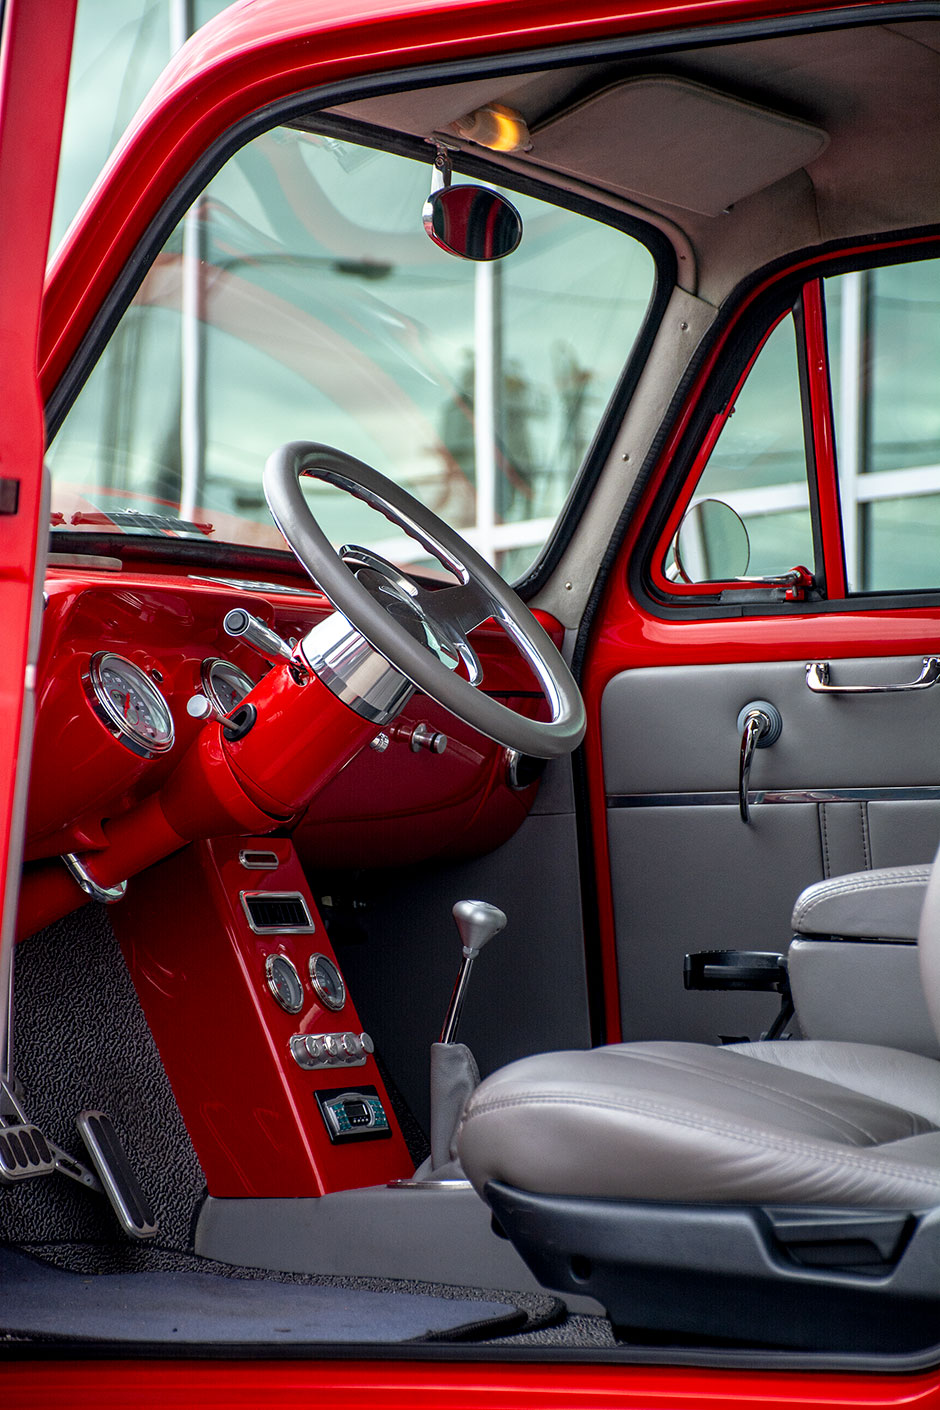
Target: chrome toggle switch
x=317 y=1050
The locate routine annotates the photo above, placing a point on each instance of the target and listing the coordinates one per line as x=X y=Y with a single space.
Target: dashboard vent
x=269 y=912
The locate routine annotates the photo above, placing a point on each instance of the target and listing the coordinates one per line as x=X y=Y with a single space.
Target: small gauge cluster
x=133 y=709
x=287 y=987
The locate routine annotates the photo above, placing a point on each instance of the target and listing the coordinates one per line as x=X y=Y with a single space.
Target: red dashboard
x=139 y=781
x=91 y=784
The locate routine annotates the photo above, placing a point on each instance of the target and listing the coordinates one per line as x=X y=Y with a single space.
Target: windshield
x=300 y=299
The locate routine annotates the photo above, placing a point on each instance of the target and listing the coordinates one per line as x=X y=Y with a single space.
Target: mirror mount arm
x=443 y=168
x=793 y=586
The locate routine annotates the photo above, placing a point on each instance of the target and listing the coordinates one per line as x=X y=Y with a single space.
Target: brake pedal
x=121 y=1185
x=24 y=1152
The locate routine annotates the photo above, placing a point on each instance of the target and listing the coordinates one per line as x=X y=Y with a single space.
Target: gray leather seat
x=817 y=1123
x=757 y=1123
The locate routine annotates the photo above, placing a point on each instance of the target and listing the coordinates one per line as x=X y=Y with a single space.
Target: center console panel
x=275 y=1078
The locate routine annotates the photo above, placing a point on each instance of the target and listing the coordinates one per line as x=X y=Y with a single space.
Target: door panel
x=675 y=729
x=687 y=873
x=694 y=878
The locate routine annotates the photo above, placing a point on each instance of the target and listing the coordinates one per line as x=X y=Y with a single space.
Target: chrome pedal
x=24 y=1152
x=121 y=1185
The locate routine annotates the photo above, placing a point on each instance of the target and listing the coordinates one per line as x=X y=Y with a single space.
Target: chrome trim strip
x=926 y=793
x=253 y=859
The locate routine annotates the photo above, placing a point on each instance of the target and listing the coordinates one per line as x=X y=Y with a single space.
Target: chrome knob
x=477 y=923
x=424 y=737
x=258 y=634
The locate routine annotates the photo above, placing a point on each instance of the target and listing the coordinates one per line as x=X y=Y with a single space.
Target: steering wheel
x=420 y=631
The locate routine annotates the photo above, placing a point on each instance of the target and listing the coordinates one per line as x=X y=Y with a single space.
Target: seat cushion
x=685 y=1122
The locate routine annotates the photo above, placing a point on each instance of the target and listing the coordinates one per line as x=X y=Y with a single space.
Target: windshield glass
x=300 y=299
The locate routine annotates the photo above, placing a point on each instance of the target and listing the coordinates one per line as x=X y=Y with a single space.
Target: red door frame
x=35 y=50
x=627 y=633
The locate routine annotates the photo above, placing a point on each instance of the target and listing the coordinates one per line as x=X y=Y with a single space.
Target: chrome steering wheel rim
x=480 y=594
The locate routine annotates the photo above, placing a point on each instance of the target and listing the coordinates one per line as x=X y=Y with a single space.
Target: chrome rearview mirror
x=711 y=544
x=472 y=222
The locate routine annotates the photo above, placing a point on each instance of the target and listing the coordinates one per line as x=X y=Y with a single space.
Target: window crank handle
x=760 y=724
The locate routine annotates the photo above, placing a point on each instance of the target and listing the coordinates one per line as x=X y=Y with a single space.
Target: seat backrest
x=928 y=945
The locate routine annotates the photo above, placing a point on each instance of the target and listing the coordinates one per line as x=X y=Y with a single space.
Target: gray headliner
x=859 y=85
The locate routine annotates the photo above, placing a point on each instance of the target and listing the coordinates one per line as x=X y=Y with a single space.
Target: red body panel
x=32 y=61
x=416 y=1385
x=199 y=972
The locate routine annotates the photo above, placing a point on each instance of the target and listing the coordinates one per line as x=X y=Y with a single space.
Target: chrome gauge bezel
x=210 y=667
x=274 y=961
x=331 y=1003
x=110 y=716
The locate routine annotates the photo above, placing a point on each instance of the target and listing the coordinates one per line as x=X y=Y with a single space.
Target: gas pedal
x=121 y=1185
x=24 y=1152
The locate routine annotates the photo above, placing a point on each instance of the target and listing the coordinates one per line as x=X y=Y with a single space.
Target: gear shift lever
x=477 y=922
x=454 y=1073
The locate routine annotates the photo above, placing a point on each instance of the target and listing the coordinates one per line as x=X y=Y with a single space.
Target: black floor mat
x=189 y=1309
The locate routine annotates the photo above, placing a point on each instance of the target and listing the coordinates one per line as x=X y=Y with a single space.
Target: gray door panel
x=697 y=879
x=688 y=874
x=674 y=728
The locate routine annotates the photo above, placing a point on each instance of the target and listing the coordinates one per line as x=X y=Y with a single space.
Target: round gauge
x=129 y=704
x=226 y=685
x=327 y=981
x=284 y=982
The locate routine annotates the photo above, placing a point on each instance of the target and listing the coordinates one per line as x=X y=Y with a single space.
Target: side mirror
x=711 y=544
x=472 y=222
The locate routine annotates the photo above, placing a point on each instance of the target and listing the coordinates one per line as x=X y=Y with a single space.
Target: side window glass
x=758 y=468
x=884 y=350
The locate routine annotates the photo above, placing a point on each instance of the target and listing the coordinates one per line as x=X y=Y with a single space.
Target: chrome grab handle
x=760 y=725
x=817 y=678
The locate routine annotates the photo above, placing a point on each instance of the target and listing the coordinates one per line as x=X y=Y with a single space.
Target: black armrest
x=760 y=970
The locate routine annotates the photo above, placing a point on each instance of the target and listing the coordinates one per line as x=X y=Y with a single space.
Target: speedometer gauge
x=226 y=685
x=129 y=705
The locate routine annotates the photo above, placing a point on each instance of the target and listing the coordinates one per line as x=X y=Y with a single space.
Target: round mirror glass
x=711 y=545
x=472 y=222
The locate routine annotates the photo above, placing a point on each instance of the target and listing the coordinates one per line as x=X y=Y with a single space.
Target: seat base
x=801 y=1277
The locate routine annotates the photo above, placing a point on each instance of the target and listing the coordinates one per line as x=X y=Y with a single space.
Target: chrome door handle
x=817 y=678
x=760 y=725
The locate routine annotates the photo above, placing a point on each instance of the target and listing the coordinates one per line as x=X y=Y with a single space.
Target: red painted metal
x=824 y=440
x=199 y=972
x=91 y=795
x=303 y=736
x=429 y=1385
x=35 y=44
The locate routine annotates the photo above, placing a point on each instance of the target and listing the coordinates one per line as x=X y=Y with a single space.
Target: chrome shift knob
x=477 y=922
